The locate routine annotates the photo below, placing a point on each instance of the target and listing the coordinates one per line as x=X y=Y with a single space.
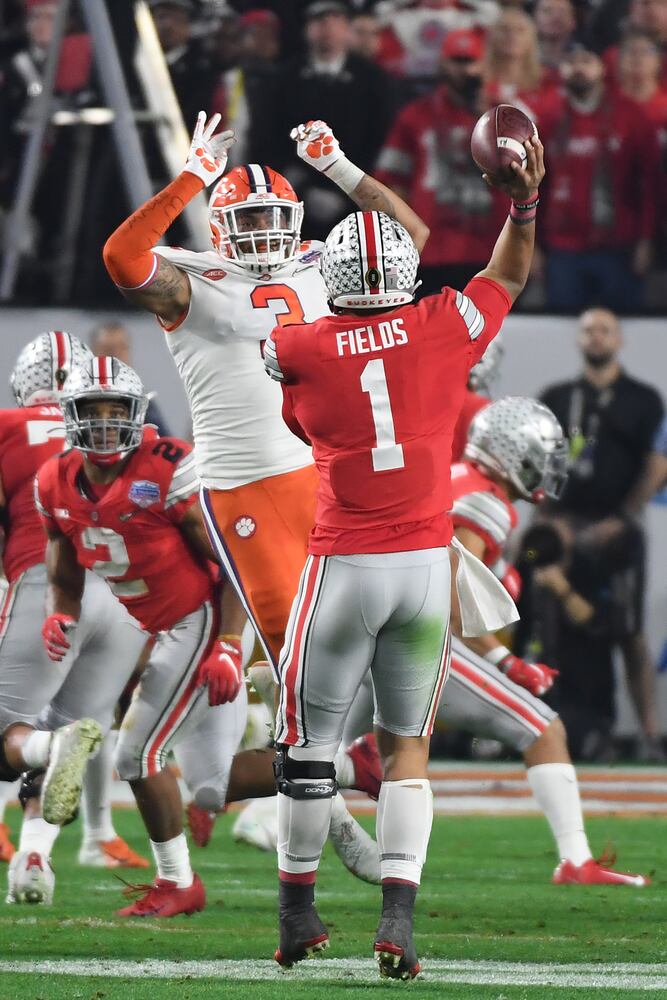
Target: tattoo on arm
x=168 y=294
x=370 y=197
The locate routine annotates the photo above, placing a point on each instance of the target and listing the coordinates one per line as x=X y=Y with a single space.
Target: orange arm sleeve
x=128 y=253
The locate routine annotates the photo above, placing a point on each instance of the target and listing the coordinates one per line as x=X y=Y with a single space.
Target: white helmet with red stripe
x=104 y=438
x=369 y=261
x=43 y=366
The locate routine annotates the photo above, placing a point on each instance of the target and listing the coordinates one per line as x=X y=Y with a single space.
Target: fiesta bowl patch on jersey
x=144 y=493
x=245 y=526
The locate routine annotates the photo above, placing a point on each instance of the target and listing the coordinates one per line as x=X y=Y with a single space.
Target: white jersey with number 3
x=239 y=432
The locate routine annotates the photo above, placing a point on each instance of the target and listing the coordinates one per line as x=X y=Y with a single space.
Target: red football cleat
x=164 y=899
x=593 y=872
x=201 y=823
x=367 y=767
x=7 y=849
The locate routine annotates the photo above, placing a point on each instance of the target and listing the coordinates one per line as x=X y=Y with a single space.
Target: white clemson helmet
x=520 y=439
x=369 y=261
x=485 y=372
x=104 y=439
x=43 y=367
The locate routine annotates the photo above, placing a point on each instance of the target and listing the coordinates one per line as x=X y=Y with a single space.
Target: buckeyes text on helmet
x=521 y=440
x=369 y=261
x=255 y=218
x=103 y=438
x=43 y=367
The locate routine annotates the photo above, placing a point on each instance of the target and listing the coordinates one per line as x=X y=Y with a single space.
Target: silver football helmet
x=104 y=438
x=43 y=366
x=485 y=372
x=521 y=439
x=369 y=261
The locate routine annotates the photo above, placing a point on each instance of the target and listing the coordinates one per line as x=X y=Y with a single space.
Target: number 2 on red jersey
x=386 y=454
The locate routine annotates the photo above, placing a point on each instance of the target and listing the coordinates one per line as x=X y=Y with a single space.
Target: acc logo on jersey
x=214 y=274
x=144 y=493
x=245 y=527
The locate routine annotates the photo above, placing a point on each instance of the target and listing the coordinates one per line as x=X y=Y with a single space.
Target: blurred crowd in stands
x=402 y=84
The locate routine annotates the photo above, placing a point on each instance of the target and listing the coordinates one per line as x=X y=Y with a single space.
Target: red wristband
x=521 y=213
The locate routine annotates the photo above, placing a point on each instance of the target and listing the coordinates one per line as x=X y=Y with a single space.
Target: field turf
x=489 y=924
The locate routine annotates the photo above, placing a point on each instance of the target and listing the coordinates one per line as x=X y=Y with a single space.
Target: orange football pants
x=260 y=534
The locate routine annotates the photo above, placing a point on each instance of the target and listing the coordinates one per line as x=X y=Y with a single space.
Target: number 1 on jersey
x=386 y=454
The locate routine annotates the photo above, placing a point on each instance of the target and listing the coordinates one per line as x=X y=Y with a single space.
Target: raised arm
x=513 y=253
x=141 y=275
x=317 y=146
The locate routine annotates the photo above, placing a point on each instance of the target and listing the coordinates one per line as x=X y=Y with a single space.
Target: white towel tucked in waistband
x=485 y=604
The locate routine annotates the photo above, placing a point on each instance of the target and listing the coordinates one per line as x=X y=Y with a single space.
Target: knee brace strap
x=304 y=779
x=31 y=785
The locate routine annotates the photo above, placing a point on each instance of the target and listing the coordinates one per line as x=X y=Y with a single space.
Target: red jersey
x=483 y=506
x=379 y=397
x=472 y=404
x=427 y=154
x=603 y=184
x=128 y=532
x=28 y=437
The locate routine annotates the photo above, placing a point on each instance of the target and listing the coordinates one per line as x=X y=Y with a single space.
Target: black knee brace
x=322 y=775
x=31 y=785
x=31 y=788
x=7 y=772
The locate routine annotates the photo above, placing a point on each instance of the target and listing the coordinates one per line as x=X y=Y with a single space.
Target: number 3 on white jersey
x=116 y=565
x=386 y=454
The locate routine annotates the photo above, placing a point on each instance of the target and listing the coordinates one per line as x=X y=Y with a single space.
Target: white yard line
x=619 y=976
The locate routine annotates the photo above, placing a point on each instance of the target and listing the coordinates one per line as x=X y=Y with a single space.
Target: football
x=498 y=137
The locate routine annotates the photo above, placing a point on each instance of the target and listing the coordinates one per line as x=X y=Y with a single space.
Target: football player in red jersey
x=377 y=388
x=127 y=509
x=77 y=688
x=515 y=451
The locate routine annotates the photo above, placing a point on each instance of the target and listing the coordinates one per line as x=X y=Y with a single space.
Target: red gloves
x=54 y=635
x=535 y=677
x=222 y=670
x=512 y=582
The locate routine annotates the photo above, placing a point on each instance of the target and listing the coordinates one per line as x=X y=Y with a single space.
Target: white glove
x=317 y=145
x=207 y=158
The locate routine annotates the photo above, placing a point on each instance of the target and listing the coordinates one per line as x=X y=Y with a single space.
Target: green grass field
x=485 y=901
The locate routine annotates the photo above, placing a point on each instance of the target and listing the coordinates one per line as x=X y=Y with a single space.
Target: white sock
x=303 y=824
x=556 y=792
x=403 y=827
x=38 y=835
x=35 y=750
x=96 y=794
x=172 y=859
x=344 y=769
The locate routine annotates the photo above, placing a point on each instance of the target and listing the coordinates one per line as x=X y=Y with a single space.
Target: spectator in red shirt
x=556 y=23
x=649 y=16
x=427 y=160
x=639 y=73
x=512 y=69
x=602 y=193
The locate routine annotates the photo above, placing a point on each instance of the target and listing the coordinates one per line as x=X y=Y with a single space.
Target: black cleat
x=394 y=948
x=302 y=935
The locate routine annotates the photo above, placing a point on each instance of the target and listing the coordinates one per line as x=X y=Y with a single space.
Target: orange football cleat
x=7 y=849
x=164 y=899
x=115 y=853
